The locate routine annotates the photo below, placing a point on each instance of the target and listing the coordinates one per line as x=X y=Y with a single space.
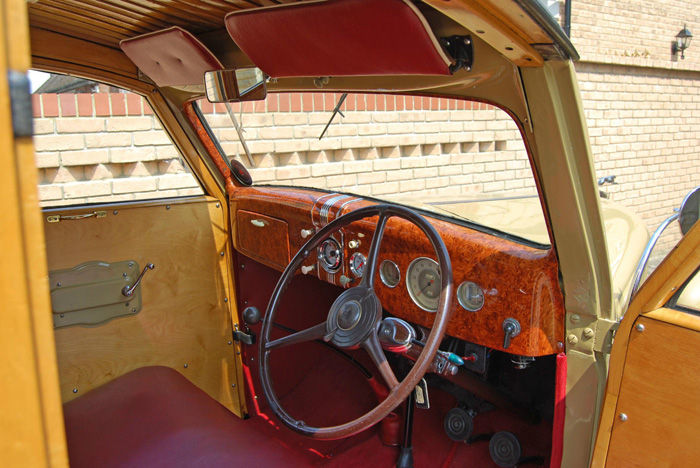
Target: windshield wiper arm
x=335 y=111
x=239 y=130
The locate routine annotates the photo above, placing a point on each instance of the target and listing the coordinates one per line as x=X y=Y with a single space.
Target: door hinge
x=20 y=104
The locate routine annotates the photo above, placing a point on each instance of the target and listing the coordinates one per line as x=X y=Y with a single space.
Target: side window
x=97 y=144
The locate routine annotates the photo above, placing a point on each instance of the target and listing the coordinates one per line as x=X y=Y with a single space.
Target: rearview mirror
x=690 y=210
x=235 y=85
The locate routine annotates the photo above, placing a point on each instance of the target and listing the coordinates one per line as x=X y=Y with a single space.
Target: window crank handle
x=128 y=291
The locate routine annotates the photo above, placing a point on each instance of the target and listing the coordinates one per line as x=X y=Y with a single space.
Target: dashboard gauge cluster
x=423 y=280
x=424 y=283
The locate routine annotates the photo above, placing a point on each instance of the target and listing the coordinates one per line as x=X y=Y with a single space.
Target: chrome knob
x=353 y=244
x=306 y=233
x=511 y=329
x=307 y=269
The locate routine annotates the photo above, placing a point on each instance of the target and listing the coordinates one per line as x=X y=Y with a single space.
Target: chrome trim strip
x=340 y=210
x=328 y=205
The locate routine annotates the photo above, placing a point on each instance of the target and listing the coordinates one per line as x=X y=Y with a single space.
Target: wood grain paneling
x=657 y=394
x=519 y=281
x=122 y=19
x=263 y=238
x=185 y=319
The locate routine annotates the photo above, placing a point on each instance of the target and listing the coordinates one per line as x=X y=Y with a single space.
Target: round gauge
x=330 y=256
x=357 y=264
x=389 y=273
x=424 y=283
x=470 y=296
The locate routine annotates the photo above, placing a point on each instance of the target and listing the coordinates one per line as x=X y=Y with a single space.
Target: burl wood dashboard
x=517 y=281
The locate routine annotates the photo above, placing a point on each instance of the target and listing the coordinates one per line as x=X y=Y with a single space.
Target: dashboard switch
x=511 y=329
x=308 y=269
x=306 y=233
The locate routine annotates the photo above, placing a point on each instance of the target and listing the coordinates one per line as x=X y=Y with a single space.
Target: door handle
x=128 y=291
x=57 y=218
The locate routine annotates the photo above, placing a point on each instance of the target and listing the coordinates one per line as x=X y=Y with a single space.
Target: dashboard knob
x=353 y=244
x=307 y=269
x=306 y=233
x=511 y=329
x=344 y=280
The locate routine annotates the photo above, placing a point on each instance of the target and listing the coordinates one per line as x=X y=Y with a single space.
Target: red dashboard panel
x=518 y=281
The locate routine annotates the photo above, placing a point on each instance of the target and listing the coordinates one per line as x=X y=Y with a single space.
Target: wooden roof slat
x=109 y=21
x=105 y=11
x=106 y=29
x=41 y=24
x=185 y=10
x=49 y=11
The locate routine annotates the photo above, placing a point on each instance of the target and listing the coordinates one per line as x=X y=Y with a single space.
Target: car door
x=31 y=421
x=137 y=251
x=651 y=416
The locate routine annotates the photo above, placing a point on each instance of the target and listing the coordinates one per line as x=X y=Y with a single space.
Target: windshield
x=458 y=159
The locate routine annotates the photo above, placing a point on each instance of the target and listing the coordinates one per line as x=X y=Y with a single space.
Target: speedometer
x=424 y=283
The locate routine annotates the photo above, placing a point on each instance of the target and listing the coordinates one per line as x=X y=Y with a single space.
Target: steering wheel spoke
x=374 y=349
x=314 y=333
x=370 y=274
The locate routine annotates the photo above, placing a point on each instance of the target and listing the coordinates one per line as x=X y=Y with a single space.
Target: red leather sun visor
x=171 y=57
x=339 y=38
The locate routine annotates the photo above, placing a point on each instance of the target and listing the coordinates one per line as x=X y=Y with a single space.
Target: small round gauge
x=357 y=264
x=424 y=283
x=470 y=296
x=389 y=273
x=330 y=255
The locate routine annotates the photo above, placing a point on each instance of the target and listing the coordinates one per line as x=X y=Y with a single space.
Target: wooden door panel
x=184 y=323
x=658 y=396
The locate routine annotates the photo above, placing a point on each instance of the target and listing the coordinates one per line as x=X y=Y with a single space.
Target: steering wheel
x=354 y=319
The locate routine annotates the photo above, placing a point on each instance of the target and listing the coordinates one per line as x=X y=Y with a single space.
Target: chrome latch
x=128 y=291
x=94 y=214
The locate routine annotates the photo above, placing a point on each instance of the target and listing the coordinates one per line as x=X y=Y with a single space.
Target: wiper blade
x=335 y=111
x=239 y=130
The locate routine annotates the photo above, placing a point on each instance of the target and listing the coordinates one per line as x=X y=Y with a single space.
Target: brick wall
x=104 y=147
x=641 y=101
x=384 y=145
x=108 y=147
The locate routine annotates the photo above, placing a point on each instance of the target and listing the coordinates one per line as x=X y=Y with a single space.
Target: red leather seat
x=154 y=417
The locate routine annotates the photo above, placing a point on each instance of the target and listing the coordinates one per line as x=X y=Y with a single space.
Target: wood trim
x=33 y=433
x=521 y=282
x=657 y=396
x=185 y=318
x=656 y=291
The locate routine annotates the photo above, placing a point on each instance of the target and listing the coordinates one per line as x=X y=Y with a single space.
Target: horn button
x=352 y=317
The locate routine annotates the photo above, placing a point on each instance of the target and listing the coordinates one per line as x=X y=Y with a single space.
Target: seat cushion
x=154 y=417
